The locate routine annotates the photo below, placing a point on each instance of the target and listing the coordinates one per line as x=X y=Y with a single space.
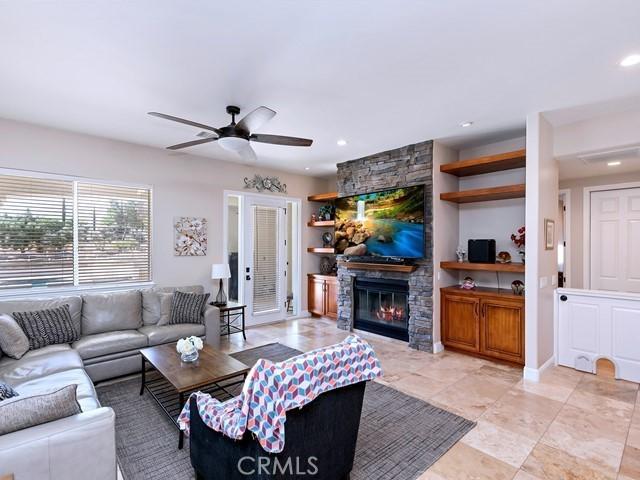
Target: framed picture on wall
x=190 y=236
x=549 y=234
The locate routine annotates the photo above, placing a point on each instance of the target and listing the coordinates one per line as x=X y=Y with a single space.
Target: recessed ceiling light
x=466 y=124
x=342 y=142
x=630 y=60
x=307 y=168
x=614 y=164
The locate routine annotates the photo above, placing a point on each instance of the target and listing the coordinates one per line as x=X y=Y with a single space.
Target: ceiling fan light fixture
x=630 y=60
x=233 y=144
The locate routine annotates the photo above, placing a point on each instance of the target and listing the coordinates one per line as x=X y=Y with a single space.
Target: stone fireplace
x=396 y=300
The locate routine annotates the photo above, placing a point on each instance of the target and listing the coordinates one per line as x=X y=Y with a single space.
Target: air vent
x=598 y=158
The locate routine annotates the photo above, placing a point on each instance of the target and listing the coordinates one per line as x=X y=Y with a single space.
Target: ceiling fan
x=235 y=137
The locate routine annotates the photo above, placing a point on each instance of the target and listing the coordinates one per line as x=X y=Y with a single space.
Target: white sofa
x=113 y=329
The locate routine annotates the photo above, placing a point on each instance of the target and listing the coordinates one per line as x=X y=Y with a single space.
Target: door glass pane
x=233 y=242
x=265 y=259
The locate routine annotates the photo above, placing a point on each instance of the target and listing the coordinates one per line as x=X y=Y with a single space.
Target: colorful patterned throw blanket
x=271 y=389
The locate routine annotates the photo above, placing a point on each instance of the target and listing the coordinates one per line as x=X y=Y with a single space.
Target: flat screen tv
x=389 y=223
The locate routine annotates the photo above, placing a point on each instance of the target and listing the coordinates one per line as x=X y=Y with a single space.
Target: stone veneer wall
x=402 y=167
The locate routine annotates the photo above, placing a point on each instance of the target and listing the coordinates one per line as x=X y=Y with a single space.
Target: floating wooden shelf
x=322 y=223
x=387 y=267
x=485 y=292
x=488 y=164
x=323 y=197
x=321 y=250
x=487 y=267
x=485 y=194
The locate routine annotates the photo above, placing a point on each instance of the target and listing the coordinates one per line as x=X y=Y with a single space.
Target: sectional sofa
x=114 y=327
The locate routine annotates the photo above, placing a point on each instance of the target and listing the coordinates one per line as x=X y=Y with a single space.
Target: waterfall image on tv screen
x=387 y=224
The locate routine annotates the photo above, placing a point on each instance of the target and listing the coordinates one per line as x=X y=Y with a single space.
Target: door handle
x=247 y=277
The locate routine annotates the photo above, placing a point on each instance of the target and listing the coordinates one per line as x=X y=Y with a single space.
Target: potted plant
x=188 y=348
x=326 y=212
x=518 y=239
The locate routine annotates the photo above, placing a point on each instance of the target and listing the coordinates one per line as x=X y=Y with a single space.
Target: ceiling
x=379 y=74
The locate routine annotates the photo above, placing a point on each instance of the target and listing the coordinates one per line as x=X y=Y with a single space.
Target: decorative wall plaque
x=269 y=184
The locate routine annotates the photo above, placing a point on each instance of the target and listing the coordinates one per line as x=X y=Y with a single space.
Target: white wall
x=183 y=185
x=445 y=231
x=498 y=219
x=541 y=203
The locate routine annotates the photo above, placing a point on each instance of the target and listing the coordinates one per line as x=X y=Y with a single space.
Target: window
x=59 y=232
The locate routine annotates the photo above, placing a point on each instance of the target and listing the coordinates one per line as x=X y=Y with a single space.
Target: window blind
x=36 y=232
x=265 y=259
x=114 y=232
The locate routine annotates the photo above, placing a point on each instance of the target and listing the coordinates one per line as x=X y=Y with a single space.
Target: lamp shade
x=220 y=270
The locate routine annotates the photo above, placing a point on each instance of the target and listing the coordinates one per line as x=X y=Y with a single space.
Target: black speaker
x=482 y=251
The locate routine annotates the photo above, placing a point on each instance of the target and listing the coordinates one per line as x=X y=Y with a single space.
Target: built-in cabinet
x=323 y=295
x=486 y=321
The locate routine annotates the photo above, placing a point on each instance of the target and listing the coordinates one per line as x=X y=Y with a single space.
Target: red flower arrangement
x=518 y=238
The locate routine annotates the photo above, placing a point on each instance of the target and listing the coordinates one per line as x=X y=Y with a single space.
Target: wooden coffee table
x=214 y=372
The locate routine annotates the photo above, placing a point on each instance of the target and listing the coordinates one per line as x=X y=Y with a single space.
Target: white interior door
x=265 y=259
x=615 y=240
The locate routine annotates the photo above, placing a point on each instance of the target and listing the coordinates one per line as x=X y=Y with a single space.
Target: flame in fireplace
x=390 y=313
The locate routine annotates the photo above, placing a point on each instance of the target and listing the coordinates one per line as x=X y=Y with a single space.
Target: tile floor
x=570 y=425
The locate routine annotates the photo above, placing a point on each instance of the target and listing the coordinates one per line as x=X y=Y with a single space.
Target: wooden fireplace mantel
x=382 y=267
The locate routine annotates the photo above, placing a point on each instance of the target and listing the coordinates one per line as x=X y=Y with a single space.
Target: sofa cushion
x=109 y=312
x=13 y=341
x=47 y=327
x=151 y=307
x=39 y=363
x=188 y=307
x=29 y=305
x=86 y=392
x=109 y=342
x=170 y=333
x=24 y=412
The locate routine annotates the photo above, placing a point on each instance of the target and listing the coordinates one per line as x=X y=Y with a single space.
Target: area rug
x=400 y=436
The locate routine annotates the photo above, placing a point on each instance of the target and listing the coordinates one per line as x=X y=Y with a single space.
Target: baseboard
x=533 y=374
x=438 y=347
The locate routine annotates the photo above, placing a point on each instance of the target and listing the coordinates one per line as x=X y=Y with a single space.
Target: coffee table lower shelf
x=171 y=401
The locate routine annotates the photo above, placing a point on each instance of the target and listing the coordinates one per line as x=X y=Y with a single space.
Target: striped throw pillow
x=188 y=307
x=47 y=327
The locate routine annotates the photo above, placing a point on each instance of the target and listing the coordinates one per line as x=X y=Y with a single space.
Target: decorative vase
x=190 y=357
x=522 y=255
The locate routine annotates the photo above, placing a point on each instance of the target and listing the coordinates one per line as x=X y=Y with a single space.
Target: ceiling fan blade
x=192 y=143
x=248 y=154
x=281 y=140
x=186 y=122
x=254 y=120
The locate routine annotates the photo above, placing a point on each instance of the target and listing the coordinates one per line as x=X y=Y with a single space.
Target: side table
x=232 y=319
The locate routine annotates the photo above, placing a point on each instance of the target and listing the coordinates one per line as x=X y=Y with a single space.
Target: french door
x=265 y=259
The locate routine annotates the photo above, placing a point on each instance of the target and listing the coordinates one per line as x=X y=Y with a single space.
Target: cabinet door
x=331 y=293
x=315 y=292
x=502 y=329
x=461 y=322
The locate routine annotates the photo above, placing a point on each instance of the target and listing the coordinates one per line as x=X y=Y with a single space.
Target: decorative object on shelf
x=504 y=257
x=468 y=284
x=549 y=234
x=314 y=218
x=188 y=348
x=356 y=250
x=518 y=287
x=269 y=184
x=326 y=266
x=220 y=271
x=460 y=253
x=518 y=239
x=190 y=234
x=327 y=239
x=326 y=212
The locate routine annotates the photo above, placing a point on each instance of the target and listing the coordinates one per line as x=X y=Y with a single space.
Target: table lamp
x=220 y=271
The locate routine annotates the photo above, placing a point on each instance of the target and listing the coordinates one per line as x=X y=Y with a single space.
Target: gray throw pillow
x=20 y=412
x=188 y=307
x=6 y=392
x=47 y=327
x=13 y=341
x=166 y=301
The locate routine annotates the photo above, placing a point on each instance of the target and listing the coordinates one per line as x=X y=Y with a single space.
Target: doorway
x=263 y=249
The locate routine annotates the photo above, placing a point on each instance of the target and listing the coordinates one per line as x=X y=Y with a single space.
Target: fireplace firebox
x=382 y=307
